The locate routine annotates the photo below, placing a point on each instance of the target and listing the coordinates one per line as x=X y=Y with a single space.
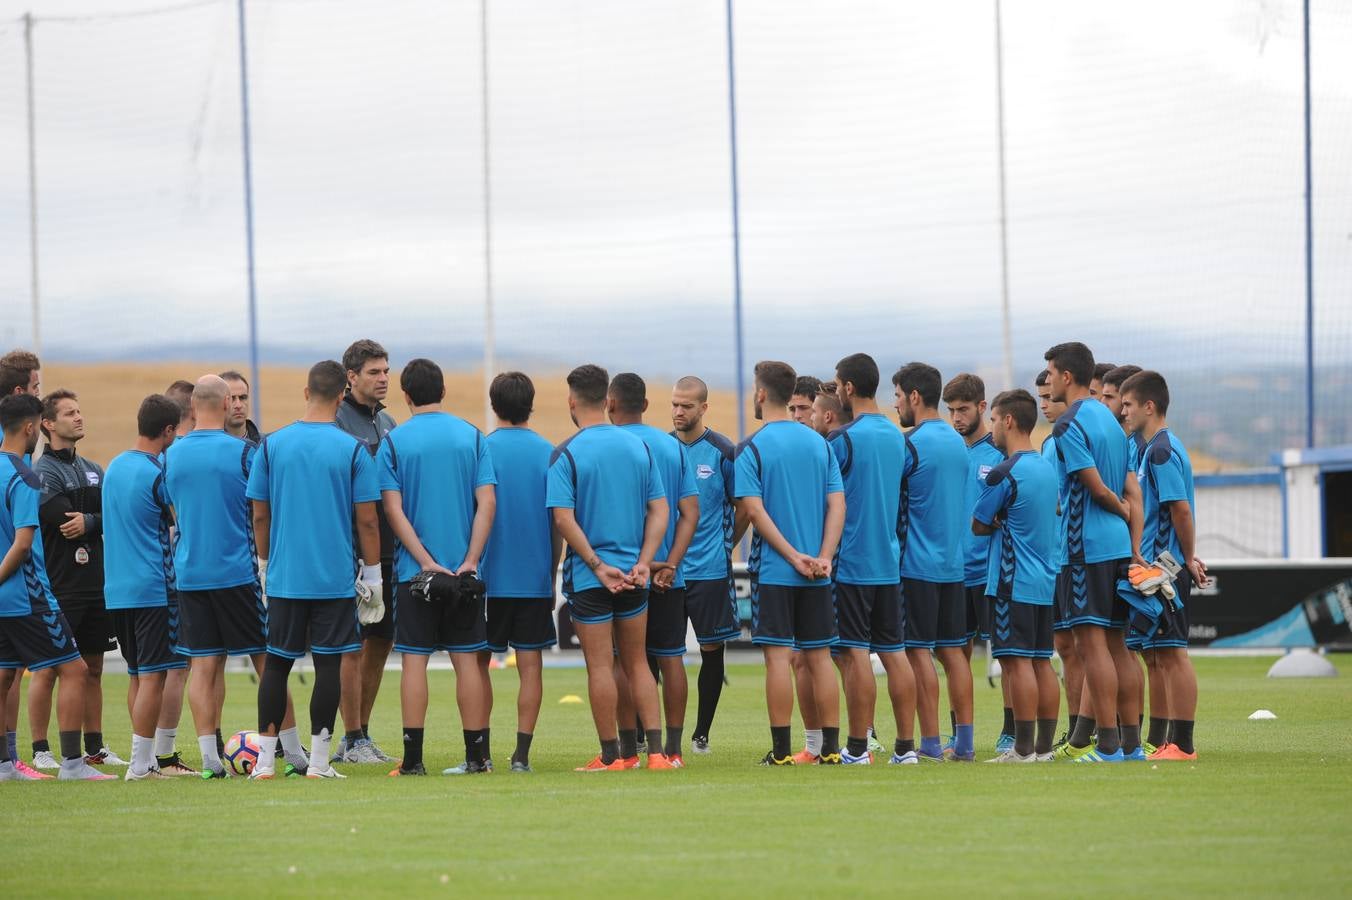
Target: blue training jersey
x=207 y=473
x=1021 y=493
x=436 y=461
x=1048 y=452
x=793 y=471
x=981 y=458
x=1088 y=436
x=678 y=480
x=710 y=555
x=607 y=476
x=311 y=474
x=138 y=561
x=870 y=451
x=934 y=510
x=1165 y=472
x=27 y=591
x=519 y=559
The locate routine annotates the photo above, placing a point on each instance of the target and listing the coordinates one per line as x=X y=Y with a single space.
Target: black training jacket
x=71 y=483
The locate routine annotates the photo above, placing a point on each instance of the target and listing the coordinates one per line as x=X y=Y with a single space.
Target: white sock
x=267 y=754
x=290 y=743
x=813 y=738
x=142 y=754
x=210 y=758
x=319 y=750
x=164 y=741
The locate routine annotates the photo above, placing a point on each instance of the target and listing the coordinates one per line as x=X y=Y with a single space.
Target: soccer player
x=437 y=485
x=181 y=393
x=220 y=602
x=933 y=525
x=609 y=505
x=362 y=414
x=965 y=397
x=1096 y=383
x=33 y=630
x=1092 y=454
x=626 y=402
x=72 y=543
x=1165 y=474
x=522 y=554
x=870 y=452
x=805 y=391
x=140 y=574
x=710 y=599
x=1072 y=673
x=1017 y=504
x=788 y=488
x=308 y=484
x=828 y=413
x=1110 y=395
x=237 y=421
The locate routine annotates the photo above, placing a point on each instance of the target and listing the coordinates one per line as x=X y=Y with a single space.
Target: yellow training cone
x=570 y=698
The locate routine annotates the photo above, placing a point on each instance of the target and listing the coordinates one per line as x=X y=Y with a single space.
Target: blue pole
x=740 y=351
x=1309 y=249
x=255 y=390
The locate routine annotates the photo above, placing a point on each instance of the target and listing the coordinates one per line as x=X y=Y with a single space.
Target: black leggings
x=323 y=699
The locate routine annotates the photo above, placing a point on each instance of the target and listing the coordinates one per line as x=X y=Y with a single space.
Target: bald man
x=220 y=596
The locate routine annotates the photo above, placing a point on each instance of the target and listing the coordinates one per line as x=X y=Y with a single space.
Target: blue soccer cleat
x=1096 y=756
x=865 y=759
x=1005 y=743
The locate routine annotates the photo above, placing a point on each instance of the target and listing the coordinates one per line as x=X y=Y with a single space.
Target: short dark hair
x=423 y=382
x=15 y=409
x=16 y=367
x=588 y=384
x=49 y=404
x=827 y=395
x=922 y=378
x=1149 y=386
x=806 y=386
x=964 y=388
x=629 y=392
x=860 y=370
x=780 y=381
x=512 y=395
x=157 y=413
x=1075 y=358
x=232 y=375
x=696 y=384
x=1042 y=377
x=180 y=392
x=326 y=380
x=361 y=352
x=1019 y=404
x=1101 y=369
x=1119 y=374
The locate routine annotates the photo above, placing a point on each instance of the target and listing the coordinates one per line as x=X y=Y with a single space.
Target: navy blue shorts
x=978 y=612
x=799 y=616
x=871 y=617
x=711 y=607
x=522 y=623
x=36 y=641
x=423 y=627
x=384 y=628
x=1091 y=596
x=91 y=624
x=936 y=614
x=148 y=636
x=1021 y=629
x=226 y=621
x=666 y=622
x=1173 y=630
x=597 y=605
x=323 y=627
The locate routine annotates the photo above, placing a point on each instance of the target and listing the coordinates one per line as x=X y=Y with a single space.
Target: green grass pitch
x=1267 y=810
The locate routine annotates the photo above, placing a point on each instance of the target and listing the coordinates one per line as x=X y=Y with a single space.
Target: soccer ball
x=241 y=751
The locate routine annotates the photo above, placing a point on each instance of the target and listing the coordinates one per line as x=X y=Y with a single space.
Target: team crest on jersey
x=92 y=478
x=982 y=472
x=702 y=471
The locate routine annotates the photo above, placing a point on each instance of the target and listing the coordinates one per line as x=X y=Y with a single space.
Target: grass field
x=1264 y=811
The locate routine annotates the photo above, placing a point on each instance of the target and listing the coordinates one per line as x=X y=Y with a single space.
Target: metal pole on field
x=34 y=294
x=740 y=349
x=1007 y=326
x=255 y=389
x=1309 y=247
x=490 y=334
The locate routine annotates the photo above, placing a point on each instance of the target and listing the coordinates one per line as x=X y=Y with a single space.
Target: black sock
x=352 y=736
x=413 y=746
x=70 y=744
x=327 y=691
x=710 y=688
x=610 y=751
x=779 y=737
x=1180 y=731
x=473 y=745
x=271 y=694
x=1008 y=728
x=1046 y=735
x=93 y=741
x=901 y=748
x=1073 y=719
x=1109 y=740
x=1083 y=734
x=1023 y=737
x=1131 y=738
x=487 y=745
x=673 y=744
x=522 y=754
x=830 y=741
x=953 y=722
x=628 y=743
x=40 y=746
x=654 y=736
x=366 y=730
x=856 y=746
x=1159 y=732
x=4 y=752
x=220 y=744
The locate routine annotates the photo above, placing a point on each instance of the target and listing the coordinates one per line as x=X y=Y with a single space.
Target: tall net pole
x=490 y=335
x=33 y=289
x=740 y=350
x=1007 y=330
x=255 y=391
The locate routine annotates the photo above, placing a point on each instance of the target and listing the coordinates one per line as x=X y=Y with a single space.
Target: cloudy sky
x=1154 y=162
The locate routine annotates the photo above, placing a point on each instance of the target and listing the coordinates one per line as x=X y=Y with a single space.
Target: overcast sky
x=1154 y=162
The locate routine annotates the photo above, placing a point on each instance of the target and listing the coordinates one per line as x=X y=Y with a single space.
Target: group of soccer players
x=342 y=537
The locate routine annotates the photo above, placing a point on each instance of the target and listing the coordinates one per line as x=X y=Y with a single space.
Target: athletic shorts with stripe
x=936 y=614
x=36 y=641
x=222 y=622
x=522 y=623
x=148 y=636
x=423 y=627
x=802 y=617
x=871 y=617
x=296 y=627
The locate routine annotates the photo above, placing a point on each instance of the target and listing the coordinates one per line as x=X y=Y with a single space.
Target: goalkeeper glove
x=263 y=581
x=370 y=599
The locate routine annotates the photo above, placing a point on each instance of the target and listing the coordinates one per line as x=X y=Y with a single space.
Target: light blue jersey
x=934 y=513
x=436 y=461
x=138 y=563
x=710 y=555
x=311 y=474
x=1021 y=494
x=870 y=451
x=519 y=560
x=982 y=457
x=27 y=591
x=678 y=480
x=1165 y=473
x=1089 y=437
x=1048 y=452
x=207 y=473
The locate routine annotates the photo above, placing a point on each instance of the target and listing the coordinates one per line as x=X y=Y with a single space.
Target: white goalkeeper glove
x=1158 y=576
x=263 y=581
x=370 y=599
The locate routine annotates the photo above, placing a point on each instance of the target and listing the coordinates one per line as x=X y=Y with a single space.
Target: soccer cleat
x=522 y=768
x=399 y=771
x=700 y=745
x=339 y=752
x=381 y=754
x=299 y=763
x=1070 y=753
x=259 y=774
x=909 y=758
x=1150 y=749
x=105 y=757
x=45 y=759
x=362 y=751
x=469 y=767
x=1172 y=753
x=174 y=766
x=83 y=772
x=771 y=760
x=950 y=742
x=1006 y=742
x=330 y=772
x=292 y=772
x=1061 y=741
x=1046 y=757
x=1010 y=756
x=865 y=759
x=24 y=772
x=1094 y=756
x=597 y=766
x=207 y=773
x=805 y=757
x=829 y=759
x=660 y=761
x=1137 y=755
x=676 y=761
x=874 y=745
x=642 y=745
x=921 y=754
x=147 y=775
x=961 y=757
